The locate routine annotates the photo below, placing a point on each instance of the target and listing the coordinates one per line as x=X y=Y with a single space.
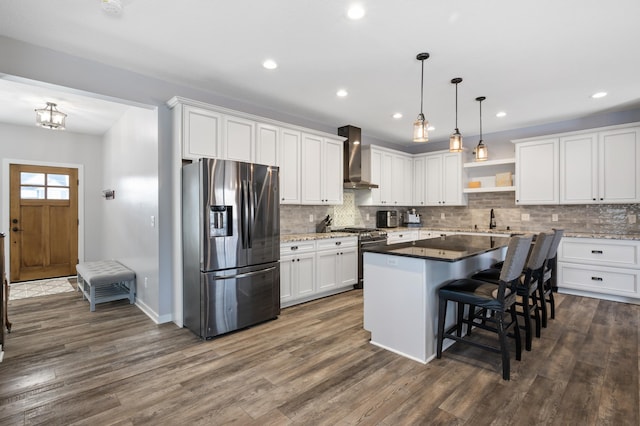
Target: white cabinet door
x=311 y=169
x=290 y=166
x=433 y=193
x=287 y=278
x=348 y=266
x=201 y=132
x=267 y=140
x=619 y=166
x=328 y=263
x=238 y=139
x=332 y=171
x=452 y=194
x=579 y=169
x=306 y=264
x=322 y=170
x=401 y=180
x=537 y=172
x=386 y=179
x=419 y=181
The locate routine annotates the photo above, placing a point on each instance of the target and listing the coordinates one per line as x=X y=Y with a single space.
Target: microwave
x=387 y=218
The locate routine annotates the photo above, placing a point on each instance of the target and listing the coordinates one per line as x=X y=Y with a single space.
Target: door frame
x=6 y=162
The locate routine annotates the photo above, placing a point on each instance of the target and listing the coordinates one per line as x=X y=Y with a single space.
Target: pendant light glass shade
x=420 y=129
x=482 y=153
x=50 y=118
x=420 y=133
x=455 y=140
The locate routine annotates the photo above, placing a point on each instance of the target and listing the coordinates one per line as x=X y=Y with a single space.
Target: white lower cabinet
x=406 y=236
x=602 y=268
x=313 y=269
x=337 y=263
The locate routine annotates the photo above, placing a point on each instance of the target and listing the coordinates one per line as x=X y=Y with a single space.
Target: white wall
x=130 y=167
x=34 y=145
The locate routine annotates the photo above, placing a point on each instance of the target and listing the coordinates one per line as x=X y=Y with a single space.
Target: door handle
x=16 y=229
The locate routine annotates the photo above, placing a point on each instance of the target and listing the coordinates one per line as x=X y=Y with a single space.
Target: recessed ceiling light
x=501 y=114
x=599 y=95
x=431 y=128
x=355 y=12
x=397 y=115
x=342 y=93
x=270 y=64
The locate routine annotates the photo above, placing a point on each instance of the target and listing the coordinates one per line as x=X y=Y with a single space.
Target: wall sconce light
x=109 y=194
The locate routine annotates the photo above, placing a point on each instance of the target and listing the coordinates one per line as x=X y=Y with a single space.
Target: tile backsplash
x=591 y=218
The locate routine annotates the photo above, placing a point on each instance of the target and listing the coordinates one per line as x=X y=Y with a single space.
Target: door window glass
x=41 y=186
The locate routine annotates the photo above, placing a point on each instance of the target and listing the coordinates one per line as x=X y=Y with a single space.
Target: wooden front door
x=44 y=222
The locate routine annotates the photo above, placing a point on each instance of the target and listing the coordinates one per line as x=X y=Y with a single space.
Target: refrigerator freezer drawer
x=239 y=298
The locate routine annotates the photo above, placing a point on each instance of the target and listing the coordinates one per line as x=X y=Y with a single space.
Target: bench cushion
x=104 y=272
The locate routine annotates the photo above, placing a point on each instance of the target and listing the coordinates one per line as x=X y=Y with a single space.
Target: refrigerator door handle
x=246 y=274
x=252 y=212
x=244 y=213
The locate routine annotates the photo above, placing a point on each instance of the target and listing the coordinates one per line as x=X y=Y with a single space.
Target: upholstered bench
x=104 y=281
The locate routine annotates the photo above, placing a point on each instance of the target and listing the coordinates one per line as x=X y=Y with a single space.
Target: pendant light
x=49 y=117
x=420 y=125
x=481 y=150
x=455 y=140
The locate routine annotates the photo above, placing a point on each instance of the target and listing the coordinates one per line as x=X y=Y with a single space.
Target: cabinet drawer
x=599 y=252
x=297 y=247
x=334 y=243
x=622 y=282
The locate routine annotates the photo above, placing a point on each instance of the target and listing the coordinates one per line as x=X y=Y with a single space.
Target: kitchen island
x=401 y=283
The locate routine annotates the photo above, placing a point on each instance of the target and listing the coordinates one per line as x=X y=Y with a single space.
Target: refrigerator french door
x=231 y=245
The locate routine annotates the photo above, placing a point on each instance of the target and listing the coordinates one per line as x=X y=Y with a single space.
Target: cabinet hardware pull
x=294 y=247
x=596 y=278
x=596 y=251
x=338 y=243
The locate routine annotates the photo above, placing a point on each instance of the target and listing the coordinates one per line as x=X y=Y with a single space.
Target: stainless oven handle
x=369 y=243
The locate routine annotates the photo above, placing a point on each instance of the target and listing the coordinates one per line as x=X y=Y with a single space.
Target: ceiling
x=539 y=62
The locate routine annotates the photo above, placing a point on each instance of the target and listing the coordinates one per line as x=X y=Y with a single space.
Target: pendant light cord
x=421 y=87
x=480 y=121
x=456 y=106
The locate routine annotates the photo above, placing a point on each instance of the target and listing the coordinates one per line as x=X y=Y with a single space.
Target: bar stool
x=529 y=284
x=498 y=299
x=546 y=288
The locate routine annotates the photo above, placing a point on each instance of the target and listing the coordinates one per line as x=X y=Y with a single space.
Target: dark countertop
x=447 y=249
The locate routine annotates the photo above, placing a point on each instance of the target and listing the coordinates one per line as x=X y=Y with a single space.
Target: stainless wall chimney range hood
x=353 y=159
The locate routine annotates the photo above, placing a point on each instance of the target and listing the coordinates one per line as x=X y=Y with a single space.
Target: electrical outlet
x=524 y=217
x=632 y=218
x=146 y=281
x=153 y=221
x=310 y=218
x=367 y=217
x=554 y=217
x=441 y=215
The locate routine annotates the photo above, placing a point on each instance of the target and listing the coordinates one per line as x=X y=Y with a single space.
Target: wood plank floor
x=65 y=365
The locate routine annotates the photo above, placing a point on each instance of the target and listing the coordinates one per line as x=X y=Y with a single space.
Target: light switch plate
x=441 y=215
x=632 y=218
x=554 y=217
x=367 y=216
x=524 y=217
x=310 y=218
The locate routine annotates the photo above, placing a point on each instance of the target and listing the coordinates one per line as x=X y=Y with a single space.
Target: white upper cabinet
x=600 y=167
x=442 y=180
x=289 y=149
x=537 y=172
x=392 y=171
x=419 y=181
x=267 y=149
x=239 y=139
x=619 y=166
x=321 y=170
x=199 y=131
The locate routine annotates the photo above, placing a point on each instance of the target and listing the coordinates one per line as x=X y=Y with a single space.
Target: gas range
x=366 y=234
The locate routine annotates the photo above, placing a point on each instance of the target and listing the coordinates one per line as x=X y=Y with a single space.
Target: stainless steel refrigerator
x=231 y=245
